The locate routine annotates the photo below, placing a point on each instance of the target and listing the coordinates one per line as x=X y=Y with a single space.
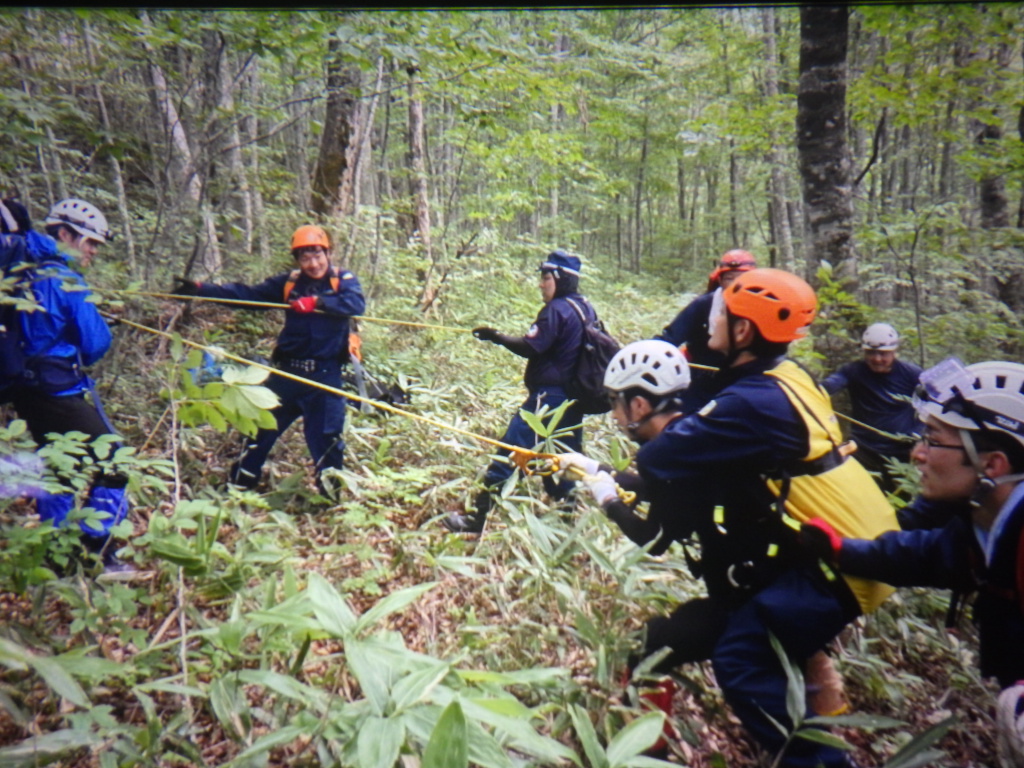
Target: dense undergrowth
x=291 y=628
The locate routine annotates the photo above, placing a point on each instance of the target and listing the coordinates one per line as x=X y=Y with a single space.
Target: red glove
x=822 y=539
x=305 y=305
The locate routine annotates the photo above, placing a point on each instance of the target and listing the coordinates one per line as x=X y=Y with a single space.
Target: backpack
x=14 y=259
x=586 y=386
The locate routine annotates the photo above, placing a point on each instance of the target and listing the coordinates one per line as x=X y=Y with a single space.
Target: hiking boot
x=457 y=522
x=471 y=522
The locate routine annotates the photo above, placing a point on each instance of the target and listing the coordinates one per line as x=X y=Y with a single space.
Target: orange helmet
x=779 y=303
x=736 y=260
x=310 y=234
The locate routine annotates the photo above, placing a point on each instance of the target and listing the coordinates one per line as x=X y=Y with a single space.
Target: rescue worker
x=63 y=337
x=971 y=454
x=880 y=388
x=690 y=327
x=313 y=344
x=551 y=348
x=646 y=381
x=765 y=451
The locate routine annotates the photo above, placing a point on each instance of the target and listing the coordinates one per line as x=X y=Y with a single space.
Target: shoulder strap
x=289 y=286
x=293 y=277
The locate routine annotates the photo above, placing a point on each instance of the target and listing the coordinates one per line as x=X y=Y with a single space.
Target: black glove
x=822 y=540
x=183 y=287
x=487 y=334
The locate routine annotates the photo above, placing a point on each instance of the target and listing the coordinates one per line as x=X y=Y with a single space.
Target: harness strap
x=293 y=278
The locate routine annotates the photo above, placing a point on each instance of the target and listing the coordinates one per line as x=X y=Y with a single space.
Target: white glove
x=602 y=487
x=1010 y=725
x=578 y=462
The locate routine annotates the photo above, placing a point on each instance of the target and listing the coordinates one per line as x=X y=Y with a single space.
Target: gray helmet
x=84 y=218
x=880 y=336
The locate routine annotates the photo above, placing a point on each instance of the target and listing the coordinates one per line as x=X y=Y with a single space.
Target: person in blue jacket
x=971 y=454
x=880 y=388
x=62 y=338
x=313 y=344
x=717 y=464
x=690 y=327
x=551 y=348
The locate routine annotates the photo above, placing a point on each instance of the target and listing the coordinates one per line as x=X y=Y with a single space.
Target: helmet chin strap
x=985 y=484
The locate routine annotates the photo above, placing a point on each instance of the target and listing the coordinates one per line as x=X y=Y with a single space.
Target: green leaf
x=288 y=687
x=449 y=744
x=913 y=754
x=39 y=750
x=279 y=738
x=59 y=680
x=249 y=374
x=330 y=608
x=379 y=741
x=393 y=603
x=635 y=738
x=416 y=686
x=261 y=397
x=588 y=737
x=372 y=671
x=822 y=737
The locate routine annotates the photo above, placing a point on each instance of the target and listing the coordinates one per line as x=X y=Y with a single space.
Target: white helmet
x=980 y=396
x=652 y=365
x=881 y=337
x=85 y=218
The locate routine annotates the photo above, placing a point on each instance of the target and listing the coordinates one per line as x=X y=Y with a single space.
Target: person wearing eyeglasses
x=880 y=387
x=313 y=344
x=970 y=454
x=690 y=328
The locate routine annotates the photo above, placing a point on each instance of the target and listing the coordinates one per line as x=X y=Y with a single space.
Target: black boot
x=471 y=522
x=242 y=478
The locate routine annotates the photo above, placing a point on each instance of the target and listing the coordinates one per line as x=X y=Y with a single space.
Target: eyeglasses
x=930 y=442
x=310 y=253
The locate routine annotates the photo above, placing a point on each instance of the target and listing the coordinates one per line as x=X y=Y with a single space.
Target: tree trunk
x=115 y=165
x=637 y=200
x=333 y=171
x=821 y=142
x=782 y=236
x=420 y=190
x=186 y=177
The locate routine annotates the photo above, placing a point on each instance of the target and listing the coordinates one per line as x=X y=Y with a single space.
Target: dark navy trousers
x=323 y=420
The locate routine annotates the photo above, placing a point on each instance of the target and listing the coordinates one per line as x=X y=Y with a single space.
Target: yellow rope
x=520 y=456
x=274 y=305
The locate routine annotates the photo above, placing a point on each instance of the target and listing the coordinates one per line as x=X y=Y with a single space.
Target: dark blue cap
x=561 y=261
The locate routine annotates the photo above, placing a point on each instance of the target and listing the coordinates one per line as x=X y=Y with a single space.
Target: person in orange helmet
x=764 y=454
x=690 y=326
x=314 y=344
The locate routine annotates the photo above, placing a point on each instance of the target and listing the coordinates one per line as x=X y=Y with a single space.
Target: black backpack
x=586 y=386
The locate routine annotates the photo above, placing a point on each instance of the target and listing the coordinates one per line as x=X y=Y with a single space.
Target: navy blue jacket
x=70 y=329
x=881 y=400
x=555 y=338
x=690 y=327
x=310 y=336
x=952 y=557
x=716 y=458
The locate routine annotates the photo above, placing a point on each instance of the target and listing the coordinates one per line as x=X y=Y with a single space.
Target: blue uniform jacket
x=881 y=400
x=309 y=336
x=716 y=458
x=68 y=328
x=690 y=327
x=555 y=338
x=952 y=557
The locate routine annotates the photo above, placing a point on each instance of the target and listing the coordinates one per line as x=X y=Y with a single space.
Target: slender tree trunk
x=252 y=130
x=182 y=160
x=637 y=200
x=821 y=142
x=781 y=233
x=420 y=190
x=115 y=165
